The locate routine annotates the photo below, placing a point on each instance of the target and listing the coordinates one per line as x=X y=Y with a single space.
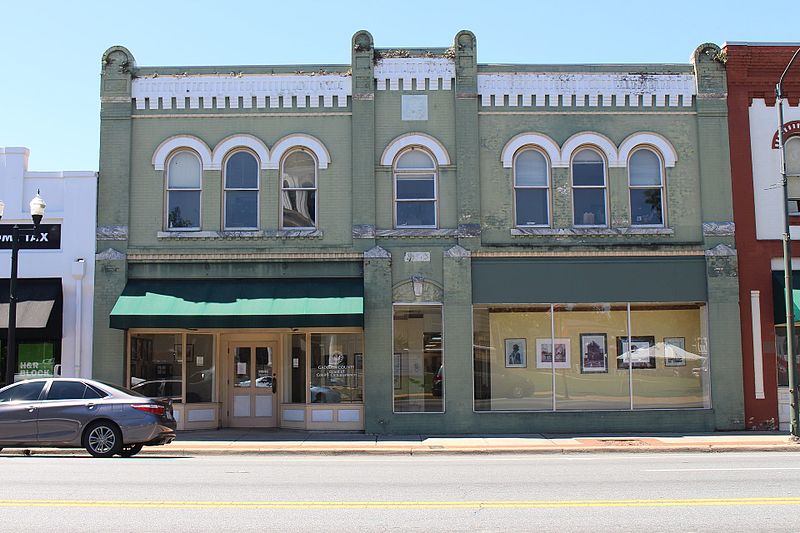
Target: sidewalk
x=292 y=442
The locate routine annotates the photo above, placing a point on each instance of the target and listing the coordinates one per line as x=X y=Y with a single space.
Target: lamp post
x=787 y=263
x=37 y=206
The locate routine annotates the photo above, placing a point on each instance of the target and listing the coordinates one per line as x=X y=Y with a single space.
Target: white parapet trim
x=433 y=73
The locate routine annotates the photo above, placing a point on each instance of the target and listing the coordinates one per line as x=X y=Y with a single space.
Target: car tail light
x=153 y=409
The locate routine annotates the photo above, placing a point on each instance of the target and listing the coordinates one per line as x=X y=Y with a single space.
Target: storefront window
x=418 y=365
x=34 y=360
x=156 y=365
x=337 y=368
x=780 y=351
x=200 y=368
x=585 y=357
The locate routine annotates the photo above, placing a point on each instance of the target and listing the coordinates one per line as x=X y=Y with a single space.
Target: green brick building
x=419 y=243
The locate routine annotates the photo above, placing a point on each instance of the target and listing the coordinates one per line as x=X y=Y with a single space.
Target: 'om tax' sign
x=47 y=237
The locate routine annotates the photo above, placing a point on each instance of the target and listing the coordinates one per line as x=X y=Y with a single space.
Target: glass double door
x=252 y=385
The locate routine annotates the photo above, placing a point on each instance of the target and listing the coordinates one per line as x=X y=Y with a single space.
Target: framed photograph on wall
x=639 y=351
x=594 y=353
x=516 y=354
x=547 y=357
x=674 y=351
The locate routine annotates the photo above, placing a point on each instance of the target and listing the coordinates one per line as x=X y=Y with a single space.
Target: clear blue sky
x=50 y=51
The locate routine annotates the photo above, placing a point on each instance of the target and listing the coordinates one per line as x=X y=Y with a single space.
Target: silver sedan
x=105 y=419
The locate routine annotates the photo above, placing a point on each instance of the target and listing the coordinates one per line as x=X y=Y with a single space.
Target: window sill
x=240 y=235
x=559 y=232
x=417 y=232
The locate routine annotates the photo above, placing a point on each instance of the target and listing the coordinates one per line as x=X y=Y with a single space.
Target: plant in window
x=184 y=174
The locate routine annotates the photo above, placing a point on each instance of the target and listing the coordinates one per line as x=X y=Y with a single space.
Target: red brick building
x=753 y=69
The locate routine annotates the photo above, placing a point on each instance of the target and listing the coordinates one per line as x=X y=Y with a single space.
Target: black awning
x=39 y=308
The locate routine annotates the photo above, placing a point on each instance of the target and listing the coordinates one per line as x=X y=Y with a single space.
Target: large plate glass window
x=415 y=190
x=417 y=359
x=589 y=201
x=531 y=188
x=337 y=374
x=156 y=365
x=792 y=151
x=241 y=191
x=646 y=182
x=299 y=190
x=199 y=368
x=184 y=175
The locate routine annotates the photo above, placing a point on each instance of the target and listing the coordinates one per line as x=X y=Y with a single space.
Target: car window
x=92 y=393
x=23 y=392
x=66 y=390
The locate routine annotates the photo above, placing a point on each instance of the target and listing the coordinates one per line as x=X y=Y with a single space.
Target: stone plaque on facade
x=414 y=107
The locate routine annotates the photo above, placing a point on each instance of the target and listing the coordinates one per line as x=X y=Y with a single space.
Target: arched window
x=184 y=176
x=415 y=190
x=646 y=185
x=299 y=190
x=241 y=191
x=792 y=155
x=589 y=199
x=531 y=188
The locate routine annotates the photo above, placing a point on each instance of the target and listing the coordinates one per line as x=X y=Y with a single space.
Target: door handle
x=31 y=408
x=90 y=406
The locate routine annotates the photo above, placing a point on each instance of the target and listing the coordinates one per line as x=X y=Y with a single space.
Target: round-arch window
x=299 y=190
x=589 y=189
x=531 y=189
x=646 y=188
x=184 y=175
x=241 y=191
x=415 y=190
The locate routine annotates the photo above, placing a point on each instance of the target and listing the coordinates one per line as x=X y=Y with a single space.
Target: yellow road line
x=521 y=504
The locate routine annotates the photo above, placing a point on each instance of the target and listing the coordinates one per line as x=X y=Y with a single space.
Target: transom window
x=184 y=175
x=646 y=185
x=589 y=200
x=299 y=190
x=792 y=155
x=241 y=191
x=415 y=190
x=531 y=188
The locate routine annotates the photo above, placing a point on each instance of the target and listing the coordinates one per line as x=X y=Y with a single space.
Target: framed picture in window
x=674 y=351
x=638 y=352
x=548 y=357
x=516 y=354
x=594 y=353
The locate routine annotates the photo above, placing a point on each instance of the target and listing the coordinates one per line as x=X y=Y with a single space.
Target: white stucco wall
x=768 y=193
x=72 y=202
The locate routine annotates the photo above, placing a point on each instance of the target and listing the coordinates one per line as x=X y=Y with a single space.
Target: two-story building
x=416 y=242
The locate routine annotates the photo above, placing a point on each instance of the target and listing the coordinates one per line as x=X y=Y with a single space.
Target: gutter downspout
x=78 y=272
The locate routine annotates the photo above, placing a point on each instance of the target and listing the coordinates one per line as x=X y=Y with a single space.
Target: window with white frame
x=531 y=188
x=241 y=191
x=415 y=189
x=184 y=176
x=792 y=157
x=589 y=199
x=299 y=190
x=646 y=186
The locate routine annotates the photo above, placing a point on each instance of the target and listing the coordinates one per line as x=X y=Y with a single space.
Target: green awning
x=245 y=303
x=779 y=298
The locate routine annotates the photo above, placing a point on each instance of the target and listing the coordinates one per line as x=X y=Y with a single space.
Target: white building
x=55 y=291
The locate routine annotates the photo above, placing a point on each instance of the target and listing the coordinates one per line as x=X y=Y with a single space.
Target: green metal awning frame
x=243 y=303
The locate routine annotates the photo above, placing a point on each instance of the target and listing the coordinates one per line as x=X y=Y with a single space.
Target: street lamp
x=37 y=206
x=787 y=263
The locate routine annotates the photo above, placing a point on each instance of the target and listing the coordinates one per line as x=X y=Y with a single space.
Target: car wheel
x=130 y=451
x=103 y=439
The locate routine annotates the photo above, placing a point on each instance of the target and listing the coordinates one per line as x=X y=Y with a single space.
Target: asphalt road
x=582 y=492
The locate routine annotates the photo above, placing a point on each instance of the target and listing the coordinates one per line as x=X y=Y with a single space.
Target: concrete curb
x=177 y=452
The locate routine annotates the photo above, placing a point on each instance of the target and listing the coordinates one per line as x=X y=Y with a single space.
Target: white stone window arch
x=601 y=143
x=589 y=178
x=531 y=177
x=646 y=186
x=170 y=145
x=299 y=185
x=300 y=140
x=665 y=149
x=543 y=142
x=435 y=148
x=183 y=191
x=225 y=146
x=416 y=190
x=240 y=185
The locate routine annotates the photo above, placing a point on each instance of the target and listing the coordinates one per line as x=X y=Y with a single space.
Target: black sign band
x=46 y=237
